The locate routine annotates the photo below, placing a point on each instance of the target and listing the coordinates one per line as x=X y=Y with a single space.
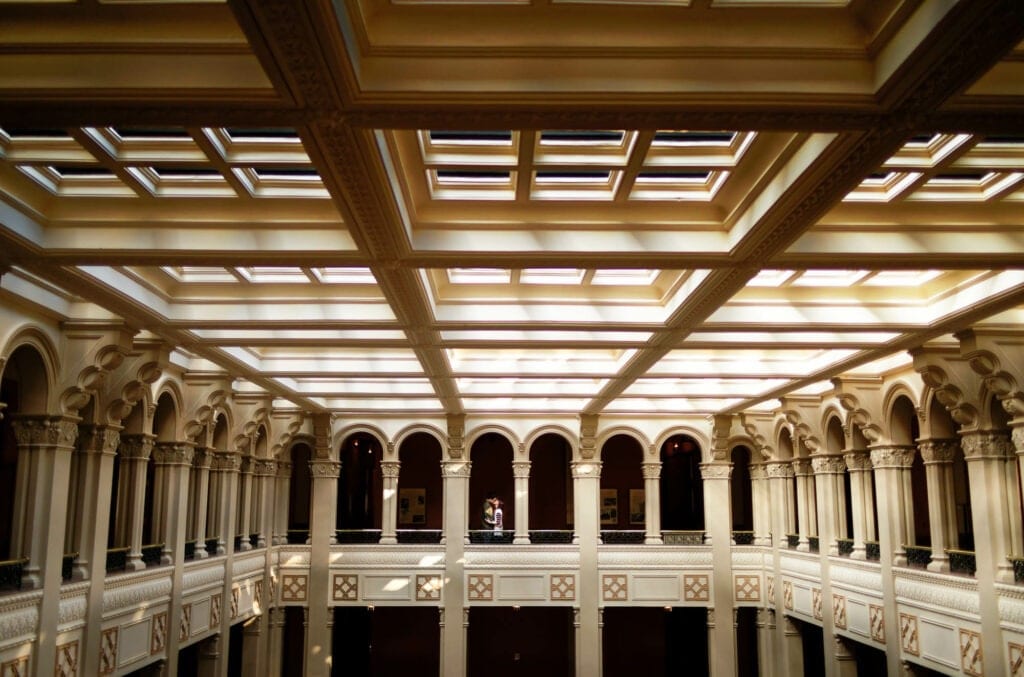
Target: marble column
x=389 y=516
x=858 y=463
x=766 y=641
x=780 y=484
x=718 y=524
x=792 y=647
x=846 y=659
x=455 y=474
x=324 y=499
x=214 y=507
x=938 y=465
x=131 y=495
x=804 y=501
x=45 y=445
x=201 y=471
x=275 y=645
x=242 y=524
x=895 y=499
x=652 y=502
x=586 y=475
x=521 y=473
x=762 y=506
x=282 y=483
x=828 y=473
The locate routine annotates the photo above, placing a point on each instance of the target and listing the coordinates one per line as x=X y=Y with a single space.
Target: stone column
x=282 y=483
x=652 y=502
x=792 y=647
x=987 y=454
x=99 y=444
x=780 y=485
x=828 y=472
x=455 y=474
x=521 y=473
x=938 y=465
x=861 y=495
x=389 y=514
x=803 y=475
x=45 y=445
x=586 y=475
x=244 y=503
x=175 y=460
x=215 y=503
x=766 y=641
x=762 y=506
x=324 y=499
x=846 y=659
x=276 y=640
x=209 y=657
x=131 y=495
x=895 y=500
x=718 y=523
x=201 y=469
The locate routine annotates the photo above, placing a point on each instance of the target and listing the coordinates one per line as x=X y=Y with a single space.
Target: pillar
x=201 y=467
x=175 y=460
x=846 y=659
x=828 y=472
x=762 y=505
x=987 y=454
x=858 y=463
x=131 y=495
x=792 y=647
x=45 y=445
x=780 y=482
x=214 y=507
x=766 y=641
x=586 y=477
x=244 y=503
x=455 y=475
x=209 y=657
x=718 y=523
x=938 y=466
x=521 y=473
x=275 y=643
x=652 y=502
x=282 y=481
x=389 y=516
x=227 y=464
x=324 y=499
x=804 y=507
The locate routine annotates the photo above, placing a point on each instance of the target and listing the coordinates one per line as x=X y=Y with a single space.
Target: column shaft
x=455 y=475
x=521 y=472
x=718 y=523
x=389 y=515
x=586 y=476
x=938 y=465
x=325 y=472
x=652 y=503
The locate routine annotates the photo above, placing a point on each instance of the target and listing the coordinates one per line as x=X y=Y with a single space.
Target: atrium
x=723 y=299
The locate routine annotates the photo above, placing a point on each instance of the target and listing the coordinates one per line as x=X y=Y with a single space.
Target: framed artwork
x=609 y=507
x=636 y=506
x=412 y=506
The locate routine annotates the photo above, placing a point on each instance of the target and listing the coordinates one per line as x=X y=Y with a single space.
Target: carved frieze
x=778 y=469
x=456 y=469
x=715 y=471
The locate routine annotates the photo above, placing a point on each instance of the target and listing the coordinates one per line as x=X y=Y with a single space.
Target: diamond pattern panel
x=876 y=619
x=970 y=653
x=294 y=587
x=696 y=588
x=481 y=587
x=345 y=588
x=839 y=611
x=67 y=659
x=908 y=634
x=747 y=587
x=563 y=587
x=108 y=651
x=614 y=588
x=428 y=588
x=158 y=634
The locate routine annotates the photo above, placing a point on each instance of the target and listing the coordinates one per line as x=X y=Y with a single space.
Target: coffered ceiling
x=371 y=207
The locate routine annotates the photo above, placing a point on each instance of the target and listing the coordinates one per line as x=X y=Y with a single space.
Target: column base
x=939 y=564
x=653 y=540
x=388 y=540
x=200 y=554
x=859 y=552
x=521 y=540
x=134 y=563
x=245 y=545
x=1004 y=574
x=80 y=571
x=31 y=579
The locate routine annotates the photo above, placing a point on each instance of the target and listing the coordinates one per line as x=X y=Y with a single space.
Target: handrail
x=962 y=561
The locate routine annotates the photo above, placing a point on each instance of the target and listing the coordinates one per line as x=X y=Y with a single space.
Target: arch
x=261 y=441
x=360 y=480
x=551 y=429
x=741 y=491
x=300 y=484
x=682 y=487
x=550 y=484
x=30 y=357
x=219 y=435
x=420 y=487
x=348 y=431
x=901 y=418
x=491 y=473
x=416 y=428
x=784 y=444
x=615 y=431
x=702 y=440
x=489 y=428
x=622 y=457
x=165 y=417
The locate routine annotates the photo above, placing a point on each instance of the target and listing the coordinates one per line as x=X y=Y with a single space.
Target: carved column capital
x=651 y=471
x=456 y=469
x=858 y=461
x=893 y=456
x=937 y=451
x=778 y=469
x=715 y=471
x=202 y=458
x=226 y=461
x=521 y=469
x=99 y=439
x=585 y=469
x=45 y=431
x=828 y=464
x=324 y=469
x=757 y=471
x=284 y=469
x=172 y=453
x=137 y=446
x=981 y=445
x=390 y=469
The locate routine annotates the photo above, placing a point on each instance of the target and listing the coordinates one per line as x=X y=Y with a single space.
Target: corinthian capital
x=173 y=453
x=715 y=471
x=456 y=469
x=138 y=446
x=324 y=469
x=652 y=471
x=986 y=445
x=521 y=469
x=828 y=464
x=937 y=451
x=390 y=469
x=893 y=456
x=45 y=431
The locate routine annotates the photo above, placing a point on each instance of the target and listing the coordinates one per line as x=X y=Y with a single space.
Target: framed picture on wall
x=412 y=506
x=609 y=507
x=636 y=506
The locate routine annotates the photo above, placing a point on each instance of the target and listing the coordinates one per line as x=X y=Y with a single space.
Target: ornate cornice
x=264 y=467
x=757 y=471
x=893 y=456
x=226 y=461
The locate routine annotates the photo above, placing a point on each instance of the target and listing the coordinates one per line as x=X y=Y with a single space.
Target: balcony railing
x=211 y=547
x=190 y=550
x=67 y=566
x=918 y=555
x=1018 y=568
x=813 y=544
x=872 y=551
x=542 y=536
x=481 y=536
x=962 y=562
x=679 y=537
x=117 y=559
x=11 y=572
x=792 y=540
x=418 y=536
x=151 y=554
x=350 y=536
x=743 y=538
x=845 y=546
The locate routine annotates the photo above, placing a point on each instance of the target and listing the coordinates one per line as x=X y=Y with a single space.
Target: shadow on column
x=652 y=641
x=514 y=642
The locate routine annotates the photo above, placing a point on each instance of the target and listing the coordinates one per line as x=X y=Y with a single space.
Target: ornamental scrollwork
x=858 y=461
x=137 y=447
x=173 y=453
x=651 y=471
x=521 y=469
x=390 y=469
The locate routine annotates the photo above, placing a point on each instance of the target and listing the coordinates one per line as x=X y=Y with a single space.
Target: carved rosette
x=521 y=469
x=801 y=467
x=986 y=445
x=390 y=469
x=95 y=439
x=893 y=456
x=456 y=469
x=173 y=453
x=586 y=469
x=715 y=471
x=828 y=464
x=937 y=451
x=45 y=431
x=324 y=469
x=652 y=471
x=778 y=469
x=138 y=447
x=588 y=435
x=858 y=461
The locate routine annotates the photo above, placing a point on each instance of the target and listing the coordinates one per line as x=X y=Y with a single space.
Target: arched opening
x=742 y=493
x=551 y=495
x=420 y=492
x=491 y=456
x=299 y=493
x=622 y=482
x=360 y=487
x=213 y=521
x=906 y=431
x=256 y=528
x=792 y=515
x=835 y=442
x=682 y=489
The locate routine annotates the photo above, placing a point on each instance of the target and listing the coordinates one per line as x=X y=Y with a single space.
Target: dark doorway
x=360 y=484
x=746 y=642
x=389 y=641
x=293 y=649
x=550 y=483
x=655 y=641
x=682 y=489
x=515 y=642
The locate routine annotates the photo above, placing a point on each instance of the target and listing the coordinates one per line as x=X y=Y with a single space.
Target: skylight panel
x=187 y=173
x=624 y=277
x=131 y=132
x=901 y=278
x=265 y=274
x=94 y=172
x=673 y=177
x=262 y=133
x=479 y=276
x=829 y=278
x=586 y=137
x=191 y=274
x=473 y=138
x=548 y=176
x=472 y=176
x=688 y=138
x=354 y=275
x=552 y=276
x=36 y=133
x=771 y=278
